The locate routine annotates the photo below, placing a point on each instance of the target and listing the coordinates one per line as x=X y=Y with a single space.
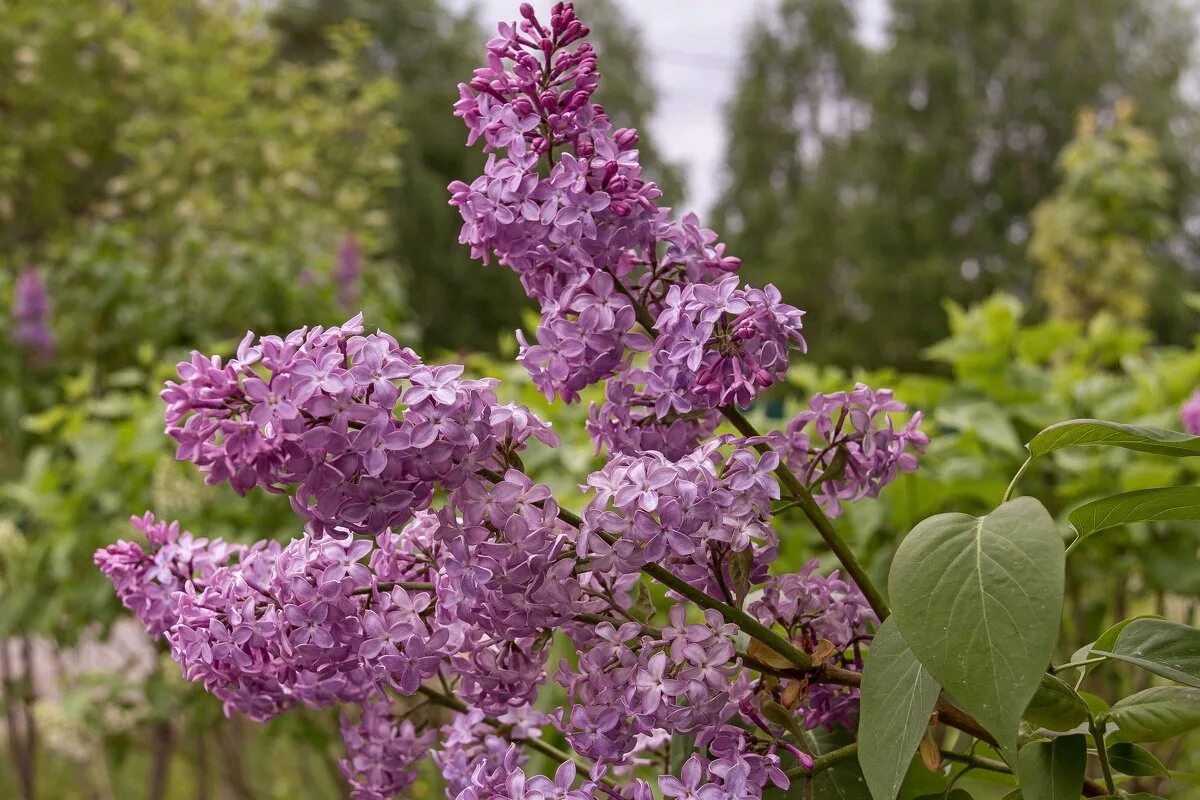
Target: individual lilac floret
x=1189 y=414
x=381 y=751
x=811 y=607
x=846 y=446
x=721 y=344
x=31 y=316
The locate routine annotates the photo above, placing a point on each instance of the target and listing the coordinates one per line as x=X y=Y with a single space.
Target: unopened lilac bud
x=626 y=138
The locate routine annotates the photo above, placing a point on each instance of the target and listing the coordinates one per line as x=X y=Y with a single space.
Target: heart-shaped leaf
x=978 y=599
x=1052 y=770
x=1143 y=505
x=1133 y=759
x=1157 y=713
x=1056 y=706
x=898 y=695
x=1165 y=648
x=1099 y=433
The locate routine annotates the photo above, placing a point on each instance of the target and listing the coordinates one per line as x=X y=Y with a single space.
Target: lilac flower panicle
x=563 y=202
x=847 y=447
x=431 y=564
x=381 y=752
x=346 y=271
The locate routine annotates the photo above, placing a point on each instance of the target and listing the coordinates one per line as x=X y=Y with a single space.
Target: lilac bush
x=431 y=568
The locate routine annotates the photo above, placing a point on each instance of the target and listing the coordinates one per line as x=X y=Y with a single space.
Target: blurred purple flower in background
x=31 y=316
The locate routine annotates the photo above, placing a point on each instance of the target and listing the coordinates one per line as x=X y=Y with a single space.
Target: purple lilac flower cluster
x=592 y=245
x=429 y=553
x=813 y=608
x=305 y=622
x=31 y=316
x=473 y=749
x=381 y=752
x=355 y=428
x=688 y=515
x=846 y=447
x=628 y=684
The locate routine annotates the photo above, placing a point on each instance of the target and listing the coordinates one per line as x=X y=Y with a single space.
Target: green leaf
x=1052 y=770
x=1056 y=706
x=956 y=793
x=1107 y=639
x=1165 y=648
x=780 y=716
x=898 y=695
x=1133 y=759
x=844 y=780
x=979 y=601
x=1098 y=433
x=1157 y=713
x=740 y=563
x=1143 y=505
x=681 y=749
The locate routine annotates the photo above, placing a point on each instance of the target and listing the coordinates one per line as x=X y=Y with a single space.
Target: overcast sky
x=693 y=48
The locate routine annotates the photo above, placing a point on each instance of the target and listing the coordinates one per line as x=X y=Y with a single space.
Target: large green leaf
x=1052 y=770
x=1157 y=713
x=1165 y=648
x=1056 y=706
x=978 y=599
x=1143 y=505
x=1099 y=433
x=898 y=695
x=844 y=780
x=1135 y=760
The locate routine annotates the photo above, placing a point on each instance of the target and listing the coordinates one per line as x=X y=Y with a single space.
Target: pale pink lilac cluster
x=381 y=751
x=813 y=608
x=31 y=316
x=432 y=566
x=846 y=446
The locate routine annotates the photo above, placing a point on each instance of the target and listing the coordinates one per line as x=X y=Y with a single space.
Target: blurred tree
x=195 y=185
x=893 y=177
x=1092 y=236
x=429 y=50
x=173 y=182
